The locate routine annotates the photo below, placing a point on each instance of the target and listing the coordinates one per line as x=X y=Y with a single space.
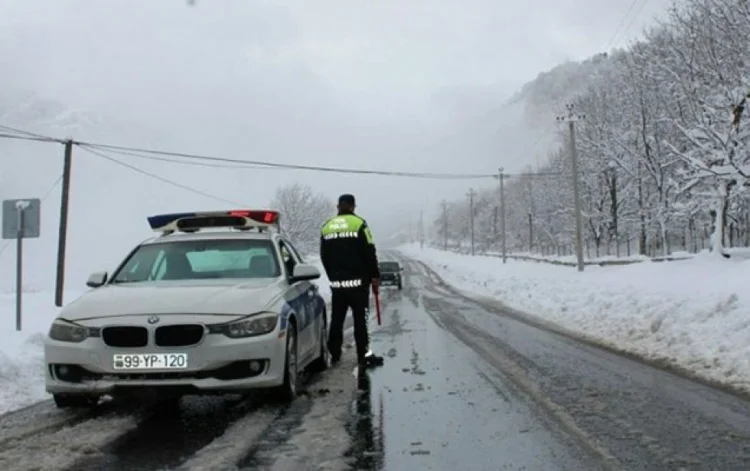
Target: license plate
x=150 y=361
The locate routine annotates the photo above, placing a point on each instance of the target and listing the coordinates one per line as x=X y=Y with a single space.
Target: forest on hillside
x=663 y=150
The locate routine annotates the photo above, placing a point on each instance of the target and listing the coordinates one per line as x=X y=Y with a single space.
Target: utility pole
x=501 y=177
x=62 y=236
x=494 y=224
x=531 y=216
x=571 y=118
x=445 y=225
x=421 y=229
x=471 y=217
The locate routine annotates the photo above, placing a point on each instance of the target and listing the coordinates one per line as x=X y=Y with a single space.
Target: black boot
x=371 y=361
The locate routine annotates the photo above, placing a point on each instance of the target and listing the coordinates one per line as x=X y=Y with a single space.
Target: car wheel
x=288 y=390
x=77 y=401
x=323 y=362
x=400 y=286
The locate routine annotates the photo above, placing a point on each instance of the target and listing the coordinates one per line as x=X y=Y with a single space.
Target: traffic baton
x=377 y=303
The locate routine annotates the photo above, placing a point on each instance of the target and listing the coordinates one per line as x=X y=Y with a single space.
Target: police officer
x=350 y=260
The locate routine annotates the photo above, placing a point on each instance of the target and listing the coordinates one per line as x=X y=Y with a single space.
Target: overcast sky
x=377 y=53
x=341 y=83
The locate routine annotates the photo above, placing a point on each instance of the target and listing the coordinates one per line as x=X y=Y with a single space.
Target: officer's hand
x=376 y=285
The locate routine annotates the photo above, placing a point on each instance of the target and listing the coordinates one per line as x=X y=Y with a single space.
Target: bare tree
x=303 y=212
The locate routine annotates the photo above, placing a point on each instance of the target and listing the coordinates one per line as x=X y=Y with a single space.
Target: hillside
x=662 y=162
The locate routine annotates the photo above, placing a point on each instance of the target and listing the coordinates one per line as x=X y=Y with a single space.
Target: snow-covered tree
x=664 y=151
x=303 y=212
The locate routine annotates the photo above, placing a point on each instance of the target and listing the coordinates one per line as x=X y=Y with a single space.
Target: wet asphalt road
x=629 y=415
x=465 y=386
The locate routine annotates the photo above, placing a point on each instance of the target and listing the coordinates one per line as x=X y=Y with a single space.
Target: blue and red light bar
x=233 y=218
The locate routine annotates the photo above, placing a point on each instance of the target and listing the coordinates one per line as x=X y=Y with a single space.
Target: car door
x=299 y=297
x=317 y=305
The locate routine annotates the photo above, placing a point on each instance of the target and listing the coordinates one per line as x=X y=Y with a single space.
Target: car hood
x=171 y=297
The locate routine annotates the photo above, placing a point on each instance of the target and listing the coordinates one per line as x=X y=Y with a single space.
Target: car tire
x=323 y=362
x=287 y=392
x=400 y=286
x=77 y=401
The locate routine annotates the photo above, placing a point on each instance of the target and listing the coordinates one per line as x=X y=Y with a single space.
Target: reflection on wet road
x=443 y=407
x=471 y=387
x=366 y=426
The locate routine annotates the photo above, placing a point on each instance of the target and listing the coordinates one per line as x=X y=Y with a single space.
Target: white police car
x=219 y=302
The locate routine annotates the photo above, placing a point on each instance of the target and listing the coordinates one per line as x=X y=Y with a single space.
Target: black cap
x=346 y=199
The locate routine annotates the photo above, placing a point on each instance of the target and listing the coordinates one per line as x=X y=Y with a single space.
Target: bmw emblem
x=153 y=319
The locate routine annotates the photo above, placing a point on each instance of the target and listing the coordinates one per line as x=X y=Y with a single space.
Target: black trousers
x=358 y=299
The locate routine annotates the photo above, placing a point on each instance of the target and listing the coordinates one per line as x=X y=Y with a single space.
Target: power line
x=29 y=138
x=21 y=131
x=161 y=155
x=259 y=165
x=160 y=178
x=636 y=15
x=622 y=22
x=428 y=175
x=181 y=162
x=620 y=30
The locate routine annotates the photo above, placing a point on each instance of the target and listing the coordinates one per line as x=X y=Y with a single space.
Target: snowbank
x=737 y=254
x=21 y=353
x=694 y=314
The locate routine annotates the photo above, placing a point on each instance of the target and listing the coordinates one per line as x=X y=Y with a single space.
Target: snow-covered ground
x=736 y=253
x=21 y=353
x=695 y=313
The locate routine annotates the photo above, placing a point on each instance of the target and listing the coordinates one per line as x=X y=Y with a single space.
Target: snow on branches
x=303 y=212
x=664 y=151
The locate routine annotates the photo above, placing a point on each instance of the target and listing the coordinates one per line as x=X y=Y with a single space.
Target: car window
x=294 y=251
x=200 y=259
x=389 y=266
x=159 y=266
x=287 y=257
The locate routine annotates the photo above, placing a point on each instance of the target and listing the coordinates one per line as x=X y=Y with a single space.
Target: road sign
x=12 y=209
x=20 y=221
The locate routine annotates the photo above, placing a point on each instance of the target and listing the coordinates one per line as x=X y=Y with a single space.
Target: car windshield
x=389 y=267
x=200 y=259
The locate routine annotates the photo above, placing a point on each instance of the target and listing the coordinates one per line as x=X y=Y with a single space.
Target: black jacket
x=348 y=252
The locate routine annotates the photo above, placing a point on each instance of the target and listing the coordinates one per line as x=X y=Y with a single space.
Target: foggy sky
x=366 y=84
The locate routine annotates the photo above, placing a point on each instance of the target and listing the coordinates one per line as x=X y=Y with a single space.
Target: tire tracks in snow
x=62 y=447
x=252 y=434
x=45 y=418
x=309 y=430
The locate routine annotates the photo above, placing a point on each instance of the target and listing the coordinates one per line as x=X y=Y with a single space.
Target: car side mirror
x=97 y=279
x=304 y=271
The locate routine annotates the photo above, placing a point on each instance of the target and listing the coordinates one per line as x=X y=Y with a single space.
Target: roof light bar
x=191 y=222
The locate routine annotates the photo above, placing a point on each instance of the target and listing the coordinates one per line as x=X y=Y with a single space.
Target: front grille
x=180 y=335
x=124 y=336
x=235 y=370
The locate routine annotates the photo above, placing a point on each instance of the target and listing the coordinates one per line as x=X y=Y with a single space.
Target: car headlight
x=65 y=331
x=258 y=324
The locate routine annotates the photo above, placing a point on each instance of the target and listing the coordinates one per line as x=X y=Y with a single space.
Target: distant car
x=391 y=273
x=193 y=311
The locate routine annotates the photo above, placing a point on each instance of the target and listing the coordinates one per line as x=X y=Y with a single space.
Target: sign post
x=21 y=220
